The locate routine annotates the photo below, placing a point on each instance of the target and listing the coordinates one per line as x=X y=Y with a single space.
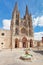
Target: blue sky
x=35 y=7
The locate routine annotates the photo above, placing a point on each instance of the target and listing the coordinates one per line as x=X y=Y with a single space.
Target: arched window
x=29 y=23
x=17 y=16
x=17 y=22
x=16 y=31
x=24 y=31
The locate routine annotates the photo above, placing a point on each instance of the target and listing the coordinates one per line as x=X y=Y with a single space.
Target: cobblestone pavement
x=8 y=57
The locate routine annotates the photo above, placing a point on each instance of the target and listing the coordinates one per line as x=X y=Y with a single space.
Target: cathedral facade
x=20 y=34
x=21 y=29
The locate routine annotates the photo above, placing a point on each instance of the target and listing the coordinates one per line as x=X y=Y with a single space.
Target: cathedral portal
x=24 y=42
x=16 y=43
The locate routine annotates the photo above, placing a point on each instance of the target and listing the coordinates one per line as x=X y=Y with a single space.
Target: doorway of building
x=31 y=43
x=16 y=43
x=24 y=45
x=24 y=42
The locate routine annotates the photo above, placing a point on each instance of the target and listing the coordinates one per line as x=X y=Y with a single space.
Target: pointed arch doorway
x=24 y=42
x=16 y=43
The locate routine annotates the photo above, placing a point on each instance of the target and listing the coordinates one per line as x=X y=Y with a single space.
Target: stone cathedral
x=20 y=34
x=21 y=29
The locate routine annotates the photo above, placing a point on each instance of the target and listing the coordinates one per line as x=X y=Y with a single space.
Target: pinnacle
x=26 y=9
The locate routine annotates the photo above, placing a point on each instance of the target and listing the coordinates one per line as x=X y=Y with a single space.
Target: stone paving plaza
x=8 y=57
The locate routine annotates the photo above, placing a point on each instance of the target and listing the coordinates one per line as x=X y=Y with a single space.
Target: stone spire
x=26 y=13
x=27 y=10
x=15 y=8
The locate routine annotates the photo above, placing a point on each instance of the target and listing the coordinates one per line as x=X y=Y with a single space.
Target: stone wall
x=4 y=39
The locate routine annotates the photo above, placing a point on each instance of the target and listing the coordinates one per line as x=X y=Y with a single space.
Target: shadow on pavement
x=41 y=52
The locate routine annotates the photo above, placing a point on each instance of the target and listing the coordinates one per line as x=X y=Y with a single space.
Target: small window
x=17 y=16
x=2 y=34
x=2 y=43
x=16 y=31
x=17 y=22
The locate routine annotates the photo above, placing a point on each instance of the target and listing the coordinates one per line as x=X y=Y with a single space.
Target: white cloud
x=38 y=21
x=6 y=24
x=38 y=35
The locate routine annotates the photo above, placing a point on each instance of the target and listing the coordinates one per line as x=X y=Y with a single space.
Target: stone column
x=28 y=45
x=20 y=45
